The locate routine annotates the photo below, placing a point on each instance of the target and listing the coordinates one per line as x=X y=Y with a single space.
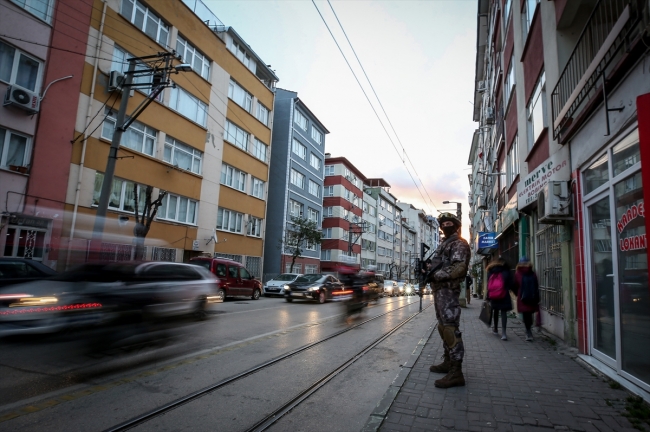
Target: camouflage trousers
x=448 y=316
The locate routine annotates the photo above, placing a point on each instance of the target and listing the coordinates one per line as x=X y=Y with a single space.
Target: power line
x=378 y=100
x=367 y=98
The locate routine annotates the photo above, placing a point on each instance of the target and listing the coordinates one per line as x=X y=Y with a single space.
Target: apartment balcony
x=607 y=36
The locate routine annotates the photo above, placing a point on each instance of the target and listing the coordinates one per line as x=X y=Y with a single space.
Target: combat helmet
x=444 y=217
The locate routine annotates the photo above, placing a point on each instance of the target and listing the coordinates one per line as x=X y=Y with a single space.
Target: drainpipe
x=98 y=47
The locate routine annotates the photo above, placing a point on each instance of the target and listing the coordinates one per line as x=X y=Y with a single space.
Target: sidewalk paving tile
x=512 y=385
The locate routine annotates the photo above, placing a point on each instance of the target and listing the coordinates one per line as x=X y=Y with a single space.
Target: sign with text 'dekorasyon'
x=557 y=168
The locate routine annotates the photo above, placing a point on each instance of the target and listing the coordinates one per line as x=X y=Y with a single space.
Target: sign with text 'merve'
x=557 y=167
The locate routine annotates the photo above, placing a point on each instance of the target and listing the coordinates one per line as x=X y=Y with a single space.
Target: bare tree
x=143 y=221
x=299 y=234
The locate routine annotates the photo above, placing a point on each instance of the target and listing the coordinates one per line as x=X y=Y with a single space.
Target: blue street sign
x=487 y=240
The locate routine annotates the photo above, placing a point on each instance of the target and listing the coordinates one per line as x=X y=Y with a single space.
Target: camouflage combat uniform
x=446 y=284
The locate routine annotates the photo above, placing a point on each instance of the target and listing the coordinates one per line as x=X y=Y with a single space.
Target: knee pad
x=451 y=336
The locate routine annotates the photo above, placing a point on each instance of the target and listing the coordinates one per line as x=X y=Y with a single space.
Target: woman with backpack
x=528 y=293
x=500 y=283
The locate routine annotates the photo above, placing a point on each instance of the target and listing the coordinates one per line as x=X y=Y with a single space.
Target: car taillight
x=66 y=308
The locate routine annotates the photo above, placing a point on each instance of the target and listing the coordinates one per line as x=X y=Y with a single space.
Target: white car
x=390 y=288
x=276 y=285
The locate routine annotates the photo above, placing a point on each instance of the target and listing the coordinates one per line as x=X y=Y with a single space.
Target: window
x=192 y=56
x=18 y=68
x=312 y=215
x=510 y=80
x=299 y=149
x=381 y=251
x=327 y=212
x=14 y=149
x=138 y=136
x=513 y=161
x=295 y=209
x=314 y=161
x=178 y=209
x=300 y=119
x=260 y=150
x=506 y=11
x=329 y=170
x=257 y=188
x=311 y=246
x=41 y=8
x=254 y=227
x=527 y=16
x=144 y=19
x=326 y=255
x=316 y=135
x=314 y=188
x=355 y=200
x=346 y=214
x=262 y=114
x=243 y=56
x=297 y=267
x=240 y=96
x=536 y=112
x=327 y=233
x=346 y=194
x=311 y=268
x=228 y=220
x=122 y=196
x=297 y=179
x=233 y=177
x=187 y=105
x=328 y=191
x=182 y=155
x=236 y=135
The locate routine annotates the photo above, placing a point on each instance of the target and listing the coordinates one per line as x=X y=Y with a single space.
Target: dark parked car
x=21 y=270
x=234 y=279
x=319 y=287
x=99 y=293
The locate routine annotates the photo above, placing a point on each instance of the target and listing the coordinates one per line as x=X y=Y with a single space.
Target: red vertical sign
x=643 y=116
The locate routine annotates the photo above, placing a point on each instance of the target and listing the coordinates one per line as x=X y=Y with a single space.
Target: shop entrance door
x=602 y=280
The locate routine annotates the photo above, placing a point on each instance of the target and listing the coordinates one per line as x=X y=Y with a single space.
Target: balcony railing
x=608 y=29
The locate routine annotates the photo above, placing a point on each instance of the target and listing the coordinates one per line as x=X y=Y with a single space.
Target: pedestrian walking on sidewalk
x=449 y=268
x=500 y=284
x=468 y=288
x=527 y=293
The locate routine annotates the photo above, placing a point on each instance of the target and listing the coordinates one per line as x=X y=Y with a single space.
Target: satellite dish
x=213 y=238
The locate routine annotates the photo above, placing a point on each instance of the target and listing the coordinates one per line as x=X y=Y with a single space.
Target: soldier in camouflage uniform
x=445 y=283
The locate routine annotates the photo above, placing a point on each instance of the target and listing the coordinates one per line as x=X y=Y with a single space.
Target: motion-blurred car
x=21 y=270
x=95 y=294
x=408 y=289
x=427 y=290
x=234 y=279
x=276 y=285
x=401 y=288
x=319 y=287
x=390 y=288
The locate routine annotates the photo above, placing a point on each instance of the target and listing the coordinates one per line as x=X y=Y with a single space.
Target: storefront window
x=626 y=153
x=632 y=246
x=602 y=277
x=596 y=175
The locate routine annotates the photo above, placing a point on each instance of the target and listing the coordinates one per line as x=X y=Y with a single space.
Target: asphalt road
x=64 y=383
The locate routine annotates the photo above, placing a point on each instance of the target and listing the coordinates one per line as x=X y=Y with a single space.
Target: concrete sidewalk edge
x=376 y=418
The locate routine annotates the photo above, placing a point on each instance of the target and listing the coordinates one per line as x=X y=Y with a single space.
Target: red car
x=234 y=279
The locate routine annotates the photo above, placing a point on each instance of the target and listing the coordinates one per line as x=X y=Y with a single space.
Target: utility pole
x=160 y=80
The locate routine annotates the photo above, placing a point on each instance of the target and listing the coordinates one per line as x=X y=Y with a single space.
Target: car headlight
x=287 y=288
x=314 y=288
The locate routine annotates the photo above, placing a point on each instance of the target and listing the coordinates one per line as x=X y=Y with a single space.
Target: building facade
x=296 y=183
x=204 y=141
x=388 y=261
x=561 y=91
x=342 y=214
x=41 y=67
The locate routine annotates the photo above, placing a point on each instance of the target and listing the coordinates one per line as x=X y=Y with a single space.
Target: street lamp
x=459 y=206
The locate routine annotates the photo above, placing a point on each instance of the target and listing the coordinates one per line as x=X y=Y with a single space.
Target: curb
x=378 y=415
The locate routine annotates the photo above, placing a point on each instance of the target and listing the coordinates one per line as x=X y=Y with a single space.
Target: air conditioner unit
x=481 y=86
x=553 y=204
x=115 y=80
x=489 y=115
x=22 y=98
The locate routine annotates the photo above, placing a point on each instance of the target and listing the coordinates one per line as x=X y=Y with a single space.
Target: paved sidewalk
x=511 y=385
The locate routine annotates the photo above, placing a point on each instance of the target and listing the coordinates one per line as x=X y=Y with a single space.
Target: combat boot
x=443 y=367
x=454 y=378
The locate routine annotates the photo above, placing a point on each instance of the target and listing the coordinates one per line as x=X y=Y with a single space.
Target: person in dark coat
x=526 y=281
x=504 y=304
